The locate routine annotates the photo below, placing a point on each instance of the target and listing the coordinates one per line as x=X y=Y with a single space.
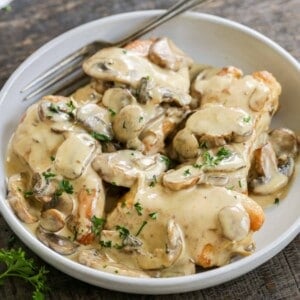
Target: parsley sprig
x=210 y=160
x=97 y=225
x=17 y=265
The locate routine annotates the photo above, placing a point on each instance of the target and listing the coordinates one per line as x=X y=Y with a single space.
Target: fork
x=67 y=75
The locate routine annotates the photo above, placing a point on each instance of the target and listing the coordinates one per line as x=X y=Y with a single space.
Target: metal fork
x=67 y=75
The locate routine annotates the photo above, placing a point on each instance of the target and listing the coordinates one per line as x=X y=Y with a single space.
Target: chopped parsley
x=247 y=119
x=153 y=215
x=28 y=194
x=71 y=108
x=141 y=119
x=52 y=158
x=54 y=108
x=141 y=228
x=276 y=201
x=203 y=145
x=112 y=112
x=138 y=207
x=123 y=231
x=48 y=175
x=240 y=183
x=166 y=160
x=66 y=186
x=230 y=187
x=106 y=244
x=97 y=225
x=100 y=137
x=153 y=182
x=187 y=172
x=124 y=51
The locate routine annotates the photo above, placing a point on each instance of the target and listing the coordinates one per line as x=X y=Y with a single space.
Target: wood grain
x=31 y=23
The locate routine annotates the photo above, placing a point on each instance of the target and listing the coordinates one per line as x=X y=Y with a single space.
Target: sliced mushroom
x=164 y=53
x=74 y=154
x=125 y=166
x=182 y=178
x=56 y=108
x=117 y=98
x=164 y=258
x=64 y=203
x=16 y=198
x=186 y=144
x=270 y=178
x=52 y=220
x=43 y=188
x=58 y=243
x=217 y=125
x=95 y=118
x=235 y=222
x=100 y=261
x=284 y=142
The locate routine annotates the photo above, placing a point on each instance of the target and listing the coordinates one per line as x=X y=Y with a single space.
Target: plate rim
x=145 y=286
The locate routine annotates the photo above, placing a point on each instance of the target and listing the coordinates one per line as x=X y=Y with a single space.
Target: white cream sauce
x=157 y=229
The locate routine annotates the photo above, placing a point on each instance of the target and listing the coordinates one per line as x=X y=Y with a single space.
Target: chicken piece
x=166 y=54
x=125 y=67
x=90 y=201
x=214 y=216
x=16 y=198
x=34 y=140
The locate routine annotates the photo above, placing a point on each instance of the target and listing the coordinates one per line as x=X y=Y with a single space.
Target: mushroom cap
x=74 y=154
x=217 y=121
x=235 y=222
x=128 y=123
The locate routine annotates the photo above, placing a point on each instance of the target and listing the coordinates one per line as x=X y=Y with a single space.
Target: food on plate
x=156 y=168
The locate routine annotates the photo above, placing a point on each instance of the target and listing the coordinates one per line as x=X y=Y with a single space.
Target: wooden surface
x=31 y=23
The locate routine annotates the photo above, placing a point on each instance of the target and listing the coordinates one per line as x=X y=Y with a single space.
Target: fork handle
x=173 y=11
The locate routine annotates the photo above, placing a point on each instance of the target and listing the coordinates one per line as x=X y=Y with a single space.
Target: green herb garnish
x=97 y=225
x=112 y=112
x=65 y=186
x=54 y=108
x=123 y=231
x=141 y=228
x=106 y=244
x=153 y=182
x=166 y=160
x=187 y=172
x=17 y=265
x=138 y=207
x=153 y=215
x=276 y=201
x=48 y=175
x=100 y=137
x=247 y=119
x=28 y=194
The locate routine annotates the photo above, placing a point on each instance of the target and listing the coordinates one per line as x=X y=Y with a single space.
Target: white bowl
x=210 y=40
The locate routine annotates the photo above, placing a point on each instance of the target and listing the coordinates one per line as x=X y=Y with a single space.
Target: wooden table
x=31 y=23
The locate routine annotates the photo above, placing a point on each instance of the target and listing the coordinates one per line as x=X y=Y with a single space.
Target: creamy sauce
x=67 y=153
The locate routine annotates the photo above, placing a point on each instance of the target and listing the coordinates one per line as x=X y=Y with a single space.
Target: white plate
x=209 y=40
